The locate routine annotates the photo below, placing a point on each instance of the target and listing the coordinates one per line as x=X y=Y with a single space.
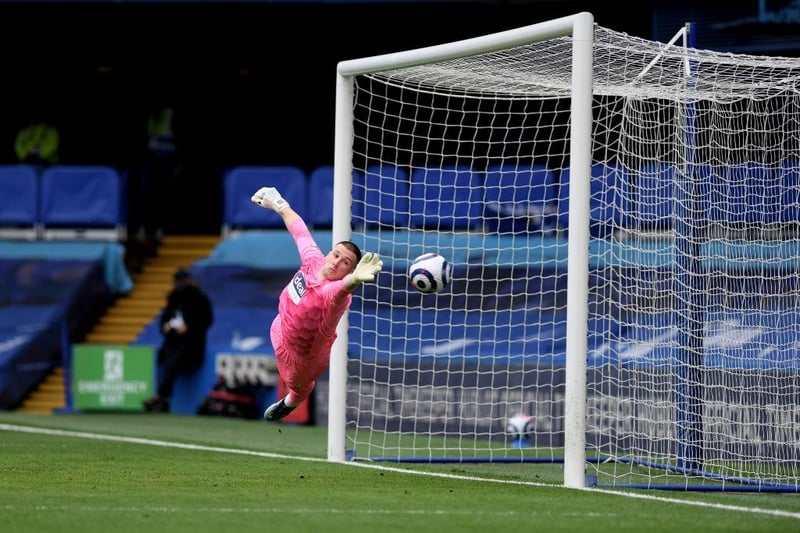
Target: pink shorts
x=299 y=373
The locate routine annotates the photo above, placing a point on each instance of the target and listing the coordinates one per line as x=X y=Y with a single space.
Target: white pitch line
x=296 y=510
x=198 y=447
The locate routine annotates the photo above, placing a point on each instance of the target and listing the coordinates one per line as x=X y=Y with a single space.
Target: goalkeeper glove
x=367 y=268
x=269 y=198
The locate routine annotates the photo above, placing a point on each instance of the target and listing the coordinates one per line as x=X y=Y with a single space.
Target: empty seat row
x=654 y=195
x=732 y=195
x=61 y=202
x=388 y=195
x=514 y=198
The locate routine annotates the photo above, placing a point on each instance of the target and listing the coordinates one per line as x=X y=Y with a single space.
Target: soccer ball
x=429 y=273
x=519 y=427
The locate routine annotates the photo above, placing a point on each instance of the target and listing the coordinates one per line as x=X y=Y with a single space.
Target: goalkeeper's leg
x=277 y=410
x=299 y=375
x=298 y=392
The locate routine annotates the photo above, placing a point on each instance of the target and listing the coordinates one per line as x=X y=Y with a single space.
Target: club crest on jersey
x=297 y=287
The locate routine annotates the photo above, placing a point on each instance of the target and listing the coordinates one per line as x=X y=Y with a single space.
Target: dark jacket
x=195 y=306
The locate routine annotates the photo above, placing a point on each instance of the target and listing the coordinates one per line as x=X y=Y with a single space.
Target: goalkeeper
x=311 y=305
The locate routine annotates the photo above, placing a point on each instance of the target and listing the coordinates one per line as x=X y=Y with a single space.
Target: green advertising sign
x=111 y=377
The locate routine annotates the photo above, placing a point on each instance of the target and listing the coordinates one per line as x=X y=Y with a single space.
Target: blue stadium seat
x=82 y=202
x=662 y=191
x=19 y=202
x=239 y=213
x=746 y=193
x=652 y=197
x=789 y=182
x=730 y=196
x=692 y=193
x=380 y=197
x=518 y=198
x=320 y=197
x=448 y=197
x=609 y=204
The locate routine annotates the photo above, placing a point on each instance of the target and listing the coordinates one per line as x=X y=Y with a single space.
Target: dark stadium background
x=252 y=81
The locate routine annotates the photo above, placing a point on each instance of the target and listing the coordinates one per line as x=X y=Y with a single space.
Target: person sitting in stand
x=184 y=323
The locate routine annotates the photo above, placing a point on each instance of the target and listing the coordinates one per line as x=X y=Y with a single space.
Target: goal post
x=580 y=28
x=622 y=219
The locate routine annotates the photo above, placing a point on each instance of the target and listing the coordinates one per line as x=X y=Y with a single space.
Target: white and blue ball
x=429 y=273
x=519 y=428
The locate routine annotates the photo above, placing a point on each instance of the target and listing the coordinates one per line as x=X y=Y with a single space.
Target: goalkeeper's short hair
x=353 y=247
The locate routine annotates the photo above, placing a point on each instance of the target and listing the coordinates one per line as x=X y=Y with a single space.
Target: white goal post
x=622 y=220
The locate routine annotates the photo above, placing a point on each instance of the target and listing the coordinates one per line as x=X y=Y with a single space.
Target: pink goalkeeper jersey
x=309 y=308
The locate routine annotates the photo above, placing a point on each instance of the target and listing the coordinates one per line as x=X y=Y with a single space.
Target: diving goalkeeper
x=311 y=305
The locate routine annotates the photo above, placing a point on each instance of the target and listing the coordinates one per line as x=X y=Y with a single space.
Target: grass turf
x=197 y=474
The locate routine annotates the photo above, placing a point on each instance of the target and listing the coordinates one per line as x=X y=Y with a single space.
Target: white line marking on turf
x=774 y=512
x=285 y=510
x=198 y=447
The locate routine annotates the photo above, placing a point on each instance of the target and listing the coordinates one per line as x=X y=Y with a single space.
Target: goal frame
x=580 y=27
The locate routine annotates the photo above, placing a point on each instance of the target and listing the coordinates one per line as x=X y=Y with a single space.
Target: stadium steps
x=130 y=314
x=125 y=320
x=48 y=395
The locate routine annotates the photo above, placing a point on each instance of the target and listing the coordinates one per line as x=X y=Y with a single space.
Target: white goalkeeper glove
x=367 y=268
x=269 y=198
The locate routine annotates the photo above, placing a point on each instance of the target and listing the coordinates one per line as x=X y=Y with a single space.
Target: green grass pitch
x=151 y=473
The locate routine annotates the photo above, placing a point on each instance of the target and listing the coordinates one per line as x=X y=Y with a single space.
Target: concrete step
x=142 y=313
x=52 y=385
x=124 y=320
x=150 y=293
x=207 y=241
x=48 y=395
x=109 y=338
x=118 y=329
x=156 y=269
x=153 y=283
x=53 y=395
x=139 y=303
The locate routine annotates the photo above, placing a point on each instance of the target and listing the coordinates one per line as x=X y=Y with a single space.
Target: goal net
x=622 y=220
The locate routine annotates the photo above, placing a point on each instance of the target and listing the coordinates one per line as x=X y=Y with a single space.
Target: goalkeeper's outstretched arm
x=366 y=269
x=270 y=198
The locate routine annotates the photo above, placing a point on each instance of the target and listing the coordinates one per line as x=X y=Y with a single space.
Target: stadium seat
x=380 y=197
x=239 y=213
x=518 y=198
x=692 y=193
x=448 y=197
x=320 y=197
x=789 y=183
x=662 y=191
x=652 y=196
x=729 y=196
x=83 y=203
x=19 y=202
x=609 y=202
x=744 y=194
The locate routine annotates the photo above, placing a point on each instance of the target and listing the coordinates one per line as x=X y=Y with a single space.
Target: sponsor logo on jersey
x=297 y=287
